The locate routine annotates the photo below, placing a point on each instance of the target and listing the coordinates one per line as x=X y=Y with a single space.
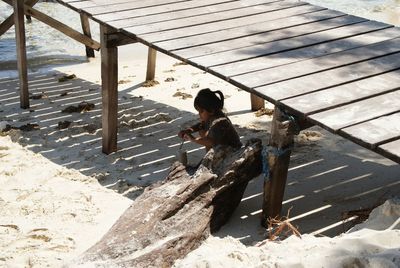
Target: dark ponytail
x=211 y=101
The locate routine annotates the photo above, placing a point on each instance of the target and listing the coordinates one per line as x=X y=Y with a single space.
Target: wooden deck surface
x=338 y=71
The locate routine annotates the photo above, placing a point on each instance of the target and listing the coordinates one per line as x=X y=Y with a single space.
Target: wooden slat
x=291 y=56
x=223 y=16
x=249 y=30
x=355 y=113
x=146 y=16
x=86 y=31
x=288 y=44
x=374 y=132
x=265 y=37
x=344 y=94
x=227 y=24
x=391 y=150
x=112 y=6
x=318 y=64
x=330 y=78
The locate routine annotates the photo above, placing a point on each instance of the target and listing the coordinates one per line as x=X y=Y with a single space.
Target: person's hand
x=188 y=137
x=182 y=133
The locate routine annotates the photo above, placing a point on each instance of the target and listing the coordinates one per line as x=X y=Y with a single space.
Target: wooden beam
x=86 y=31
x=257 y=102
x=109 y=90
x=9 y=22
x=60 y=26
x=280 y=144
x=151 y=64
x=120 y=39
x=21 y=53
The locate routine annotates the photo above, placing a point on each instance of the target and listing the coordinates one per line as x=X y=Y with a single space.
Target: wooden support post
x=257 y=102
x=280 y=144
x=109 y=77
x=21 y=52
x=151 y=64
x=86 y=31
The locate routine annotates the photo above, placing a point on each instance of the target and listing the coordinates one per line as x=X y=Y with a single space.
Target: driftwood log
x=173 y=217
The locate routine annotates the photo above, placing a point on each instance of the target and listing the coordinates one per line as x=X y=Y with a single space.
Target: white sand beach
x=59 y=193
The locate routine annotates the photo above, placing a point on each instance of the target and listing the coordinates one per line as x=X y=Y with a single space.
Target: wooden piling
x=151 y=64
x=257 y=102
x=109 y=77
x=21 y=52
x=86 y=31
x=280 y=144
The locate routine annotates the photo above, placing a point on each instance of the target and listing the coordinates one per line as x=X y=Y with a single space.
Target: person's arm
x=205 y=140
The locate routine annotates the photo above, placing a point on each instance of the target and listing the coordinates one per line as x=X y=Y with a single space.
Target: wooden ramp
x=318 y=66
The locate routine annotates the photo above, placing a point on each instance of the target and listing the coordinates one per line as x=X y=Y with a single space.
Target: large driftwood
x=172 y=218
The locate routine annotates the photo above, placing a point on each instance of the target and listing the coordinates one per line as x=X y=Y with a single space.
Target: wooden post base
x=151 y=64
x=257 y=103
x=281 y=142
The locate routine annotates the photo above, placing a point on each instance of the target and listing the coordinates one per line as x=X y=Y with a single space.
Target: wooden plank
x=165 y=12
x=86 y=31
x=344 y=94
x=375 y=132
x=286 y=44
x=100 y=8
x=228 y=24
x=291 y=56
x=330 y=78
x=9 y=22
x=21 y=52
x=391 y=150
x=224 y=16
x=109 y=90
x=358 y=112
x=265 y=37
x=249 y=30
x=319 y=64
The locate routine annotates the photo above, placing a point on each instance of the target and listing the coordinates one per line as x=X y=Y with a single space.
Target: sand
x=59 y=193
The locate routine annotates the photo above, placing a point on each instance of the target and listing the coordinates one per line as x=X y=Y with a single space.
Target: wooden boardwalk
x=318 y=66
x=335 y=70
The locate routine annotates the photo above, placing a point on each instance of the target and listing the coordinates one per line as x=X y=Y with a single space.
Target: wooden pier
x=318 y=66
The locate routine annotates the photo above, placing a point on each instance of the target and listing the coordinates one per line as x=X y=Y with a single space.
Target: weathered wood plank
x=329 y=78
x=223 y=16
x=355 y=113
x=257 y=28
x=9 y=22
x=286 y=44
x=124 y=5
x=344 y=94
x=173 y=11
x=109 y=90
x=391 y=150
x=301 y=54
x=227 y=24
x=319 y=64
x=265 y=37
x=374 y=132
x=164 y=12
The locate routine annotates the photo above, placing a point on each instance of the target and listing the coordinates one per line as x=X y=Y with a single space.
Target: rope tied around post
x=268 y=151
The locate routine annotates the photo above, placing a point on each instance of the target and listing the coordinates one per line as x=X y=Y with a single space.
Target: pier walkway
x=318 y=66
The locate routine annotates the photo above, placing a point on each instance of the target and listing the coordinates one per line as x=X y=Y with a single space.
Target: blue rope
x=269 y=150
